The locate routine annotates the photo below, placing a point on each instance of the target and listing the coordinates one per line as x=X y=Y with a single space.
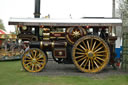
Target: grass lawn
x=10 y=74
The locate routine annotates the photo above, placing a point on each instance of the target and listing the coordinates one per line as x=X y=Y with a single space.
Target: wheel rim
x=34 y=60
x=90 y=54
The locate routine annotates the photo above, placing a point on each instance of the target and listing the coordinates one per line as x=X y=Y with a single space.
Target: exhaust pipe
x=37 y=9
x=37 y=15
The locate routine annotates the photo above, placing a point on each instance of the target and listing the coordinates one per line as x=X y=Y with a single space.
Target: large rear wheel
x=34 y=60
x=90 y=54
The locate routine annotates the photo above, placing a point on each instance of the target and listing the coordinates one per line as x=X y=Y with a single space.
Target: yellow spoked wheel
x=90 y=54
x=34 y=60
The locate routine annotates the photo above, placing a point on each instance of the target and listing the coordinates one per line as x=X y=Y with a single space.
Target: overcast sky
x=56 y=9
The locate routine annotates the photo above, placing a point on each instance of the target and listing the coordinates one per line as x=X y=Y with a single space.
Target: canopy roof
x=66 y=22
x=2 y=32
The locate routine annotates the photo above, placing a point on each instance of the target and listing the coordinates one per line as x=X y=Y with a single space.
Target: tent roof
x=2 y=31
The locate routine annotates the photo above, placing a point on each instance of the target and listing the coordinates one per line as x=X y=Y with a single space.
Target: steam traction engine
x=88 y=43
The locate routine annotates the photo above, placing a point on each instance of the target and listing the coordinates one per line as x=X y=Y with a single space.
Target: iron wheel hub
x=34 y=60
x=90 y=54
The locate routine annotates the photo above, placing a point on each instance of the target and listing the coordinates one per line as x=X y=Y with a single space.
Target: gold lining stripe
x=52 y=37
x=46 y=39
x=57 y=32
x=46 y=34
x=61 y=37
x=53 y=44
x=41 y=44
x=65 y=44
x=46 y=44
x=57 y=37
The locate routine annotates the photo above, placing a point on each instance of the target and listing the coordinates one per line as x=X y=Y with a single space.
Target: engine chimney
x=37 y=15
x=37 y=9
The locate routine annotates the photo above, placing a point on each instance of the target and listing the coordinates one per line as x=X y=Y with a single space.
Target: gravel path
x=55 y=69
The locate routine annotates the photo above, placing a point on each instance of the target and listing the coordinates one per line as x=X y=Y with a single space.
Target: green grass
x=10 y=74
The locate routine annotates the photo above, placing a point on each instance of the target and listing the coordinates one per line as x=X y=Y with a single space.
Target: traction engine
x=88 y=43
x=89 y=48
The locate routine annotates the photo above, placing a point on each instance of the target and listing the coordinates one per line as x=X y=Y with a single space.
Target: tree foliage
x=123 y=8
x=1 y=25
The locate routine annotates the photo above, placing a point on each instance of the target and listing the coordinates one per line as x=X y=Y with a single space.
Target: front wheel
x=90 y=54
x=34 y=60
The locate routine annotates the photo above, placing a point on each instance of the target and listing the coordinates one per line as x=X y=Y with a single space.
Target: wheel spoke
x=32 y=67
x=81 y=59
x=39 y=63
x=27 y=60
x=97 y=46
x=88 y=45
x=80 y=53
x=98 y=61
x=80 y=56
x=84 y=44
x=98 y=49
x=82 y=63
x=86 y=63
x=89 y=65
x=38 y=54
x=92 y=63
x=80 y=49
x=35 y=54
x=40 y=60
x=32 y=53
x=35 y=67
x=100 y=55
x=96 y=64
x=28 y=64
x=100 y=58
x=93 y=45
x=30 y=57
x=39 y=57
x=101 y=52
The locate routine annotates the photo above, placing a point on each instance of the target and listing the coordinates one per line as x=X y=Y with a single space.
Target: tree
x=123 y=10
x=1 y=25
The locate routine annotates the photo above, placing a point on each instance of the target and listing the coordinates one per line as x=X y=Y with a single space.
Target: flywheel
x=74 y=33
x=90 y=54
x=34 y=60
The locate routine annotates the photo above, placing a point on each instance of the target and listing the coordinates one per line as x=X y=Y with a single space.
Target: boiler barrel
x=48 y=46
